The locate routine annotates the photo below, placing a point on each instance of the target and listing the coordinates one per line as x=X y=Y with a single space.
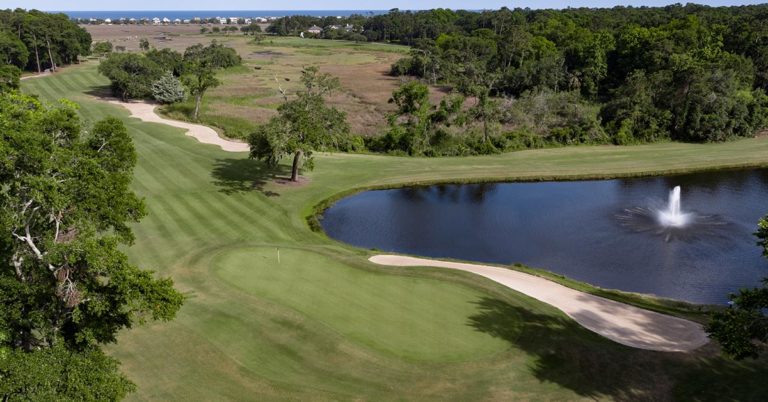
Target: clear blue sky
x=89 y=5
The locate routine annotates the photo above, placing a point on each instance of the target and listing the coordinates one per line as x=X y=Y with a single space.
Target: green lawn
x=324 y=324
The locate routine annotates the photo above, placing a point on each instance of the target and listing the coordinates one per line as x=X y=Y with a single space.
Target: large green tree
x=200 y=66
x=742 y=329
x=131 y=74
x=66 y=288
x=305 y=124
x=12 y=50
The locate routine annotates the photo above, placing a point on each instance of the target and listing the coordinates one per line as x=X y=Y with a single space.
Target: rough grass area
x=249 y=94
x=324 y=324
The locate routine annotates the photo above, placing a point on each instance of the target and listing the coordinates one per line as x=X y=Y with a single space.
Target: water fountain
x=673 y=216
x=669 y=221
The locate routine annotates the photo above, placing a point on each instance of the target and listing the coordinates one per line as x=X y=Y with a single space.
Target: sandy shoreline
x=622 y=323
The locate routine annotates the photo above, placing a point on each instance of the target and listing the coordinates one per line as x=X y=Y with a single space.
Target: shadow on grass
x=103 y=92
x=238 y=175
x=566 y=354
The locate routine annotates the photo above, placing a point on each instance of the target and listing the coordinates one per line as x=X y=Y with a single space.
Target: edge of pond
x=696 y=312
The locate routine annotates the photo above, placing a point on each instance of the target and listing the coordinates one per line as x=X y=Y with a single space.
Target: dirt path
x=43 y=74
x=146 y=112
x=622 y=323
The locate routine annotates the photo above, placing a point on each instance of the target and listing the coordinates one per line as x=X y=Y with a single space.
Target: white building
x=187 y=21
x=223 y=21
x=166 y=21
x=248 y=21
x=156 y=21
x=108 y=21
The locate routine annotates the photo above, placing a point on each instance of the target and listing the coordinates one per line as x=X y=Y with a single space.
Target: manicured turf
x=324 y=324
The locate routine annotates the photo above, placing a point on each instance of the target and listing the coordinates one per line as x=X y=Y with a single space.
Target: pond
x=610 y=233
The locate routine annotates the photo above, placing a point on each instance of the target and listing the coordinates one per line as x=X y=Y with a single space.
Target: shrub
x=102 y=48
x=168 y=89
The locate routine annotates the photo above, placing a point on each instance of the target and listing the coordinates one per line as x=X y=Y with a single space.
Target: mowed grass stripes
x=321 y=323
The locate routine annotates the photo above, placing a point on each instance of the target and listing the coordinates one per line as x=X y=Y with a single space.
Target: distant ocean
x=182 y=15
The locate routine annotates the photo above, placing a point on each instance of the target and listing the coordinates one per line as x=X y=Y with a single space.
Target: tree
x=12 y=50
x=304 y=125
x=66 y=288
x=144 y=44
x=357 y=38
x=203 y=30
x=167 y=59
x=168 y=89
x=252 y=29
x=413 y=106
x=200 y=66
x=742 y=329
x=10 y=77
x=102 y=48
x=53 y=39
x=132 y=75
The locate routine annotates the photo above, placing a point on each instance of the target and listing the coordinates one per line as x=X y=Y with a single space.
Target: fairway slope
x=619 y=322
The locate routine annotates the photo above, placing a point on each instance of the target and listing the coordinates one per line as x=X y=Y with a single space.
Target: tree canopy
x=67 y=288
x=35 y=41
x=131 y=75
x=304 y=125
x=682 y=72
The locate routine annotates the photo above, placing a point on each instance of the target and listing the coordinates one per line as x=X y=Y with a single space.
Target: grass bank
x=319 y=322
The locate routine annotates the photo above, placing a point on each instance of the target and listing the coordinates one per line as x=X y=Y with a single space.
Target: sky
x=92 y=5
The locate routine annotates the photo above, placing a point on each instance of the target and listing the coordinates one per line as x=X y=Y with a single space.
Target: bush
x=168 y=89
x=102 y=48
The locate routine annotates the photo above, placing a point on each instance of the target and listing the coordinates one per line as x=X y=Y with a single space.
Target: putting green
x=409 y=317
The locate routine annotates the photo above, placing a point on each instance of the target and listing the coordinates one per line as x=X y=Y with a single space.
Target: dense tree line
x=37 y=41
x=630 y=75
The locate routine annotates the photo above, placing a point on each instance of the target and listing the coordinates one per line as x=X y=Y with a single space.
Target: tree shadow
x=238 y=175
x=566 y=354
x=102 y=92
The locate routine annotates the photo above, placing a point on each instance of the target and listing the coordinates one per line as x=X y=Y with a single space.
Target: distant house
x=132 y=21
x=223 y=21
x=156 y=21
x=315 y=30
x=261 y=19
x=247 y=21
x=187 y=21
x=166 y=21
x=177 y=21
x=108 y=21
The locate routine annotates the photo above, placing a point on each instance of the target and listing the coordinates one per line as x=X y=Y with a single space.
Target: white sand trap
x=145 y=111
x=622 y=323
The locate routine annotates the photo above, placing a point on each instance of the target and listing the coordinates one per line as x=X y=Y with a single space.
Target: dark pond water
x=602 y=232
